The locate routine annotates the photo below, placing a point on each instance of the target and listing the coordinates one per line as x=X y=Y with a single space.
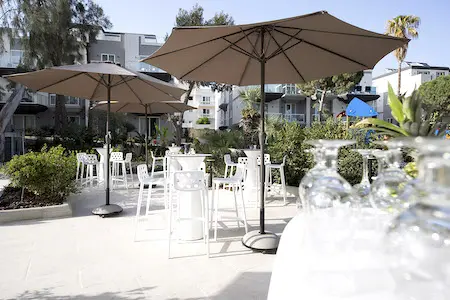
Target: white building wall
x=203 y=109
x=131 y=45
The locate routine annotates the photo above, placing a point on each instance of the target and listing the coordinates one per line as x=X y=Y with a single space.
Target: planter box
x=35 y=213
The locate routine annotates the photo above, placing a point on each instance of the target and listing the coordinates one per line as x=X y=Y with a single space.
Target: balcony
x=11 y=59
x=143 y=67
x=300 y=118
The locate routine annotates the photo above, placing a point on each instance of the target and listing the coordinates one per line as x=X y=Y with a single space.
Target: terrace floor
x=87 y=257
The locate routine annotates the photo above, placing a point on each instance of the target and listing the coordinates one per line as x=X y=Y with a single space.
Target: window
x=205 y=112
x=69 y=100
x=74 y=120
x=109 y=57
x=367 y=89
x=440 y=74
x=206 y=100
x=389 y=120
x=152 y=122
x=358 y=88
x=148 y=39
x=112 y=37
x=290 y=89
x=16 y=56
x=23 y=122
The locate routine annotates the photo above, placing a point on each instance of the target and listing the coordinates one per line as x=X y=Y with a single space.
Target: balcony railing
x=300 y=118
x=34 y=98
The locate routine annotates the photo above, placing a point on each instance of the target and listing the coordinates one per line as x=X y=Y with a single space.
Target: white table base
x=251 y=184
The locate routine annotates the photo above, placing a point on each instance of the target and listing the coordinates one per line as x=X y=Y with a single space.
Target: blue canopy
x=358 y=108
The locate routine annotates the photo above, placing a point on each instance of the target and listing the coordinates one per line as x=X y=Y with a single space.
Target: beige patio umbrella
x=293 y=50
x=168 y=107
x=100 y=82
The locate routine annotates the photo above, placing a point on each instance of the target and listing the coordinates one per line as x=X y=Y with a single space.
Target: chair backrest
x=241 y=170
x=90 y=159
x=284 y=160
x=116 y=156
x=266 y=159
x=80 y=156
x=188 y=180
x=142 y=172
x=243 y=160
x=128 y=157
x=227 y=159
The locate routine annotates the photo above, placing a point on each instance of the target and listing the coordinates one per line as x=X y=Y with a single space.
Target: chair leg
x=170 y=220
x=243 y=208
x=216 y=208
x=236 y=206
x=206 y=221
x=149 y=195
x=78 y=170
x=125 y=180
x=138 y=210
x=131 y=172
x=211 y=211
x=283 y=184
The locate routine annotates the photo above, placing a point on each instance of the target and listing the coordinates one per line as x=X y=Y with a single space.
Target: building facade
x=412 y=76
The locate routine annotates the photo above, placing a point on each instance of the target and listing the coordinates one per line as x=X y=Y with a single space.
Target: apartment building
x=36 y=110
x=204 y=117
x=286 y=101
x=412 y=76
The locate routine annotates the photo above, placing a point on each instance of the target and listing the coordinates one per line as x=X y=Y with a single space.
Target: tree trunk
x=60 y=114
x=178 y=123
x=7 y=113
x=399 y=85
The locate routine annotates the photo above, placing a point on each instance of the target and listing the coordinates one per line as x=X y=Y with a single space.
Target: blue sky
x=158 y=17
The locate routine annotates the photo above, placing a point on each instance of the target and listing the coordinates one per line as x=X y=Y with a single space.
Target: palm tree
x=251 y=97
x=402 y=26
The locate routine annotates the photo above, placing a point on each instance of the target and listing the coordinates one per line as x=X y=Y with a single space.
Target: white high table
x=103 y=163
x=318 y=260
x=251 y=184
x=190 y=205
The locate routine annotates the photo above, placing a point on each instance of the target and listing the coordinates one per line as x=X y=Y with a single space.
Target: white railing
x=289 y=117
x=35 y=98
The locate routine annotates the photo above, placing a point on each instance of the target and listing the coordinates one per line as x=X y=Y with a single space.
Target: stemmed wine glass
x=330 y=190
x=418 y=239
x=391 y=182
x=363 y=188
x=312 y=175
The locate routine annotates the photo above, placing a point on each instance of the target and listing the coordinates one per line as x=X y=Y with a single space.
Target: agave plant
x=409 y=114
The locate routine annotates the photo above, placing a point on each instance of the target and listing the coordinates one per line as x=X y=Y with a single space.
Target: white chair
x=229 y=165
x=243 y=161
x=80 y=166
x=91 y=161
x=146 y=180
x=157 y=161
x=235 y=183
x=116 y=158
x=190 y=181
x=268 y=179
x=128 y=158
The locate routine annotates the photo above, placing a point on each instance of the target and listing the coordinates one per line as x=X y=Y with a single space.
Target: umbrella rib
x=246 y=35
x=287 y=57
x=95 y=89
x=278 y=51
x=248 y=60
x=59 y=81
x=199 y=44
x=148 y=83
x=211 y=58
x=122 y=107
x=240 y=49
x=126 y=83
x=325 y=49
x=343 y=33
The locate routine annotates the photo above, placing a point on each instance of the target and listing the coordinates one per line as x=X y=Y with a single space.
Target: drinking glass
x=312 y=174
x=363 y=188
x=329 y=189
x=418 y=239
x=391 y=182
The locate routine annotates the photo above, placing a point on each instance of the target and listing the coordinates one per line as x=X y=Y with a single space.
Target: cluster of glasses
x=417 y=236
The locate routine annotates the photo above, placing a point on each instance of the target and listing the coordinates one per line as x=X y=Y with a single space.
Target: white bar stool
x=118 y=163
x=189 y=181
x=229 y=165
x=91 y=161
x=235 y=183
x=268 y=180
x=128 y=158
x=80 y=166
x=157 y=161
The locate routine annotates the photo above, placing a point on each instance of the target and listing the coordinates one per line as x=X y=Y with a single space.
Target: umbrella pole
x=108 y=209
x=146 y=135
x=262 y=240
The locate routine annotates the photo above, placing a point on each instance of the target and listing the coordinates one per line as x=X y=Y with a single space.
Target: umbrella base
x=107 y=210
x=262 y=242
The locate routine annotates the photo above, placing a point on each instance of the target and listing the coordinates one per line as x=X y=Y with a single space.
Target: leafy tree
x=54 y=33
x=403 y=26
x=194 y=17
x=436 y=95
x=336 y=85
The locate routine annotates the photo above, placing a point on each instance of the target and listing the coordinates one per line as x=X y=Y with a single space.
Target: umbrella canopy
x=167 y=107
x=91 y=81
x=358 y=108
x=293 y=50
x=100 y=81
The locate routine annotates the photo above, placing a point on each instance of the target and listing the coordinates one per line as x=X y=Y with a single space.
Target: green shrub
x=49 y=174
x=203 y=120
